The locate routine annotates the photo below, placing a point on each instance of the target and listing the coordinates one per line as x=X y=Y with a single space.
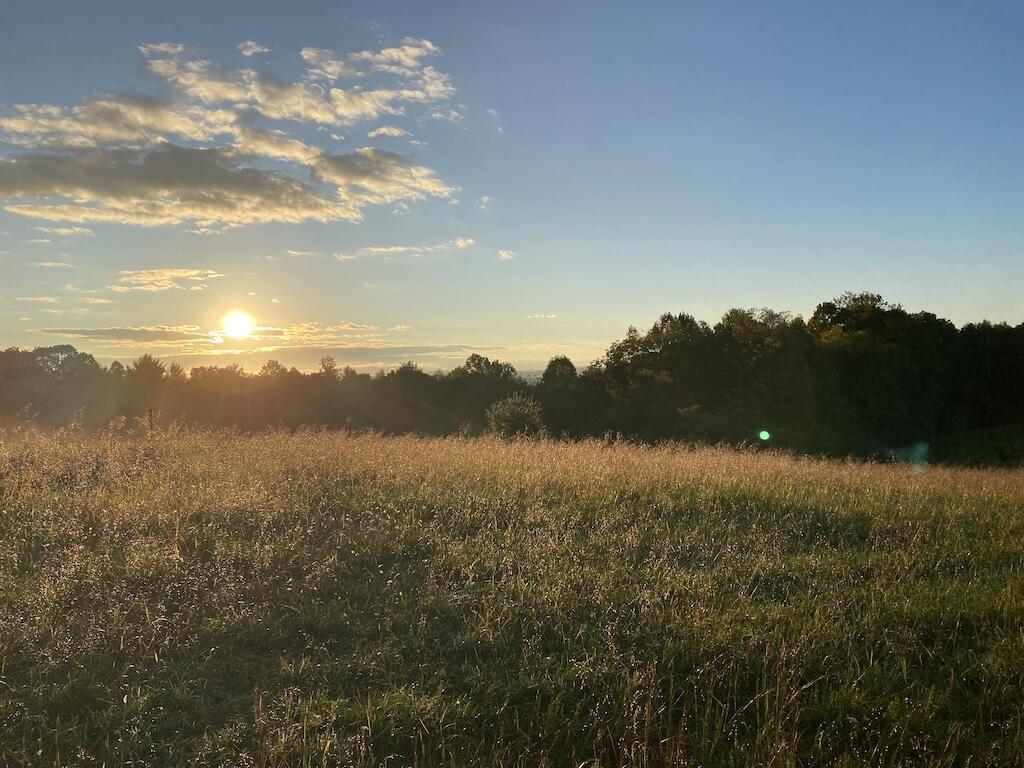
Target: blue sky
x=557 y=172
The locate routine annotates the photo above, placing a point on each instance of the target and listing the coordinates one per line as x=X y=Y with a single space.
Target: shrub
x=515 y=416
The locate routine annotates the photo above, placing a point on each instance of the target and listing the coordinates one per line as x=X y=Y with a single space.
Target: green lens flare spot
x=764 y=434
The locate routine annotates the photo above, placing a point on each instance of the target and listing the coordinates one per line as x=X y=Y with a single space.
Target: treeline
x=861 y=376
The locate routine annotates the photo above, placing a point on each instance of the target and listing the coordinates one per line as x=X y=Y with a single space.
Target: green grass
x=317 y=599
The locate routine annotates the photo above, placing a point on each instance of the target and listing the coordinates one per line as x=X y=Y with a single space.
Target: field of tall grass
x=212 y=598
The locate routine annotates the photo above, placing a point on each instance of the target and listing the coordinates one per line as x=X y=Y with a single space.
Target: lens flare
x=238 y=324
x=764 y=434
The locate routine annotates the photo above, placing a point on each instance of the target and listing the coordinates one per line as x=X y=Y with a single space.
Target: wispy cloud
x=133 y=334
x=156 y=280
x=72 y=288
x=493 y=114
x=388 y=130
x=541 y=317
x=249 y=48
x=506 y=255
x=51 y=264
x=192 y=339
x=152 y=49
x=38 y=299
x=457 y=244
x=67 y=231
x=449 y=114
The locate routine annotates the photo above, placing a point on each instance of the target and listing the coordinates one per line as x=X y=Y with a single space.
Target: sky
x=388 y=181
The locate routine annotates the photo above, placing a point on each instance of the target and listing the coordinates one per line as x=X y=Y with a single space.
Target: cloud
x=191 y=339
x=457 y=244
x=301 y=254
x=167 y=185
x=451 y=115
x=171 y=185
x=506 y=255
x=432 y=85
x=136 y=334
x=68 y=231
x=402 y=60
x=306 y=100
x=249 y=48
x=151 y=49
x=113 y=120
x=199 y=80
x=201 y=158
x=388 y=130
x=276 y=144
x=493 y=114
x=373 y=177
x=485 y=201
x=70 y=288
x=323 y=66
x=541 y=317
x=39 y=241
x=94 y=300
x=157 y=280
x=39 y=299
x=51 y=264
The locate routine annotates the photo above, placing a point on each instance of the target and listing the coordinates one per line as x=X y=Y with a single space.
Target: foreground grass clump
x=194 y=597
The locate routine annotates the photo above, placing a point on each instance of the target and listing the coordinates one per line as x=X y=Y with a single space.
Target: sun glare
x=238 y=324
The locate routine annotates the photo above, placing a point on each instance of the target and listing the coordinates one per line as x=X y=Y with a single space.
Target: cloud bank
x=221 y=151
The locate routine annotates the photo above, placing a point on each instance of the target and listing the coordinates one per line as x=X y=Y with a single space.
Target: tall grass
x=200 y=597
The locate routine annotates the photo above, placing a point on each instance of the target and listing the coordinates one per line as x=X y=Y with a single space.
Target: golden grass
x=208 y=597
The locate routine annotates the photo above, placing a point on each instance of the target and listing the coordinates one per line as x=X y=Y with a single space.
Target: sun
x=238 y=324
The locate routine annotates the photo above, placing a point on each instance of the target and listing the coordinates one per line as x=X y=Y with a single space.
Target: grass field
x=321 y=599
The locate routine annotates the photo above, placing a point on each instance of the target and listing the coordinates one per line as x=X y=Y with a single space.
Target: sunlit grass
x=323 y=599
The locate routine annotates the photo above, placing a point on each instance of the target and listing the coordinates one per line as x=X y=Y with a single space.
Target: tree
x=560 y=372
x=560 y=397
x=272 y=369
x=328 y=368
x=468 y=390
x=517 y=415
x=478 y=365
x=144 y=378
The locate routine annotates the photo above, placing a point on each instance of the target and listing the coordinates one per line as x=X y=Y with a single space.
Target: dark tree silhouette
x=861 y=376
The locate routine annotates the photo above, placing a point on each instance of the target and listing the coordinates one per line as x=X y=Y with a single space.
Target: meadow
x=201 y=597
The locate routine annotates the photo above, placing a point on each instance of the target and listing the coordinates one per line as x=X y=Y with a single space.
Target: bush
x=515 y=416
